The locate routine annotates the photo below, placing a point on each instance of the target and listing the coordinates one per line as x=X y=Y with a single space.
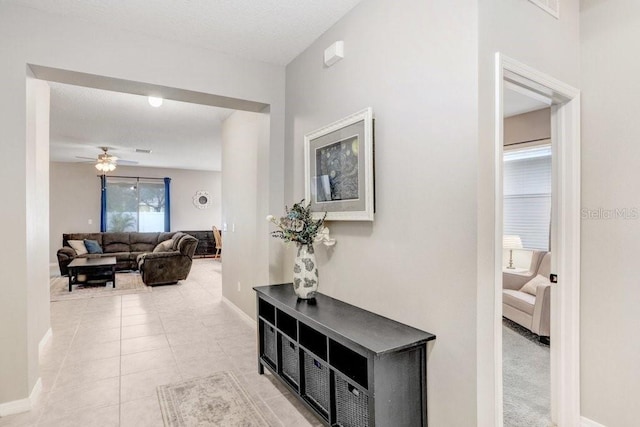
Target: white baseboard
x=45 y=339
x=245 y=317
x=22 y=405
x=586 y=422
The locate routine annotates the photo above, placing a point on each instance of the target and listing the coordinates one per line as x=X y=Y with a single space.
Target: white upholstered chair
x=529 y=307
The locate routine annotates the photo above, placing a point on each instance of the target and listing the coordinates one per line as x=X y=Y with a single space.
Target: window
x=135 y=204
x=527 y=195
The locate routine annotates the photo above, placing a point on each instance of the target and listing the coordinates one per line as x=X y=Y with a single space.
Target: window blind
x=527 y=195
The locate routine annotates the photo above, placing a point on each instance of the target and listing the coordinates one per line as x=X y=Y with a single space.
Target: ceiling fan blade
x=127 y=162
x=86 y=158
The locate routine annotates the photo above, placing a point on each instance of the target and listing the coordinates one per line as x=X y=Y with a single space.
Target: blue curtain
x=103 y=203
x=167 y=204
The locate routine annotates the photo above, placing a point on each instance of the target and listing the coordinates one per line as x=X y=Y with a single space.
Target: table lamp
x=511 y=242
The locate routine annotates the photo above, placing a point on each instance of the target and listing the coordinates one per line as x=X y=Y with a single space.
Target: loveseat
x=171 y=253
x=526 y=297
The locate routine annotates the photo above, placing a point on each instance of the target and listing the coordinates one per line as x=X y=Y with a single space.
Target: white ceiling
x=180 y=134
x=83 y=119
x=274 y=31
x=516 y=103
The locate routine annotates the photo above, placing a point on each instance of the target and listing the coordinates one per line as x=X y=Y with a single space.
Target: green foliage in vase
x=298 y=226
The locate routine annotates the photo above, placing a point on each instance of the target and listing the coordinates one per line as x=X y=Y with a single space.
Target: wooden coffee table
x=97 y=270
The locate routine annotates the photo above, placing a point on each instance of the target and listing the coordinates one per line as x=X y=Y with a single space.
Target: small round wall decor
x=202 y=199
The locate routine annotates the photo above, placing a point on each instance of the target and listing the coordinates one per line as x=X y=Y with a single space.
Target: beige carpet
x=218 y=400
x=126 y=283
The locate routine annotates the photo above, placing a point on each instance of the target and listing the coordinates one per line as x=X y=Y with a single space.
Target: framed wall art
x=339 y=169
x=202 y=199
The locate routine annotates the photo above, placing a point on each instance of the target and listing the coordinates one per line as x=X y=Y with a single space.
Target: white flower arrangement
x=298 y=226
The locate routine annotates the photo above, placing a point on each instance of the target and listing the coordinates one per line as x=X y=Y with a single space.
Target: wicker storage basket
x=290 y=366
x=316 y=379
x=270 y=343
x=352 y=405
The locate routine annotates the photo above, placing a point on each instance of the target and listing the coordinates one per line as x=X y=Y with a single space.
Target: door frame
x=565 y=240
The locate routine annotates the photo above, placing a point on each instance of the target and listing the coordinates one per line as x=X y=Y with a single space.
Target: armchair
x=163 y=268
x=531 y=311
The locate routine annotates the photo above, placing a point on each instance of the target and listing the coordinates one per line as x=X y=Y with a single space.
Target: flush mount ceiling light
x=155 y=101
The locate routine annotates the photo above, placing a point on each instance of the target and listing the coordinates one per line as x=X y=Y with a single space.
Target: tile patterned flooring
x=107 y=356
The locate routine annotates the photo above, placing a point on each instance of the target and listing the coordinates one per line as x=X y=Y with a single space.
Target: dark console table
x=348 y=365
x=206 y=243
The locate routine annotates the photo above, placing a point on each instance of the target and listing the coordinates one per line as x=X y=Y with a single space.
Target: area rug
x=126 y=283
x=217 y=400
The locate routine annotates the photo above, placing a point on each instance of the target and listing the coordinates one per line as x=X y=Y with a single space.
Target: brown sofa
x=172 y=265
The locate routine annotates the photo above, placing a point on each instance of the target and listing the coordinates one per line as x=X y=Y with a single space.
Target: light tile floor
x=107 y=356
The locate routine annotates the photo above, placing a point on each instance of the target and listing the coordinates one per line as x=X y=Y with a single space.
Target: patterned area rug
x=218 y=400
x=126 y=283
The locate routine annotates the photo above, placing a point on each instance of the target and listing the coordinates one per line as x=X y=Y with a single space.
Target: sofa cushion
x=531 y=286
x=115 y=242
x=520 y=300
x=143 y=242
x=165 y=246
x=176 y=239
x=81 y=236
x=78 y=246
x=165 y=236
x=92 y=246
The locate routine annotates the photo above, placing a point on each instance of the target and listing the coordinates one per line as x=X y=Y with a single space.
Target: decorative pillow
x=165 y=246
x=93 y=247
x=531 y=285
x=176 y=239
x=78 y=246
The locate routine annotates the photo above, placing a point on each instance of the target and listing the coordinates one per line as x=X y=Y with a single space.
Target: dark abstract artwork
x=337 y=170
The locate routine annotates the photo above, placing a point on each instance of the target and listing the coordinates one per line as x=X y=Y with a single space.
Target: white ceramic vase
x=305 y=273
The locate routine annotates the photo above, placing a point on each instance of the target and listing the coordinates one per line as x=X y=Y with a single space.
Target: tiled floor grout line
x=59 y=369
x=201 y=332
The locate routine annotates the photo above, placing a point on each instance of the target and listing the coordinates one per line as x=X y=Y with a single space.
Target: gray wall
x=37 y=157
x=610 y=295
x=532 y=126
x=415 y=64
x=242 y=135
x=29 y=36
x=75 y=198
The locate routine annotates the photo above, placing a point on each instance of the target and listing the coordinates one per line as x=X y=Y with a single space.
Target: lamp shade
x=511 y=241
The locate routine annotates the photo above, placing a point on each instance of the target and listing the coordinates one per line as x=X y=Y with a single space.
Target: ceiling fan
x=107 y=162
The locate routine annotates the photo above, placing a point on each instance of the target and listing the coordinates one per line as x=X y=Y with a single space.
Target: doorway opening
x=557 y=158
x=526 y=289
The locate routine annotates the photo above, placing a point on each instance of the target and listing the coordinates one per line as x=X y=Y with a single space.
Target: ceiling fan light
x=105 y=166
x=155 y=101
